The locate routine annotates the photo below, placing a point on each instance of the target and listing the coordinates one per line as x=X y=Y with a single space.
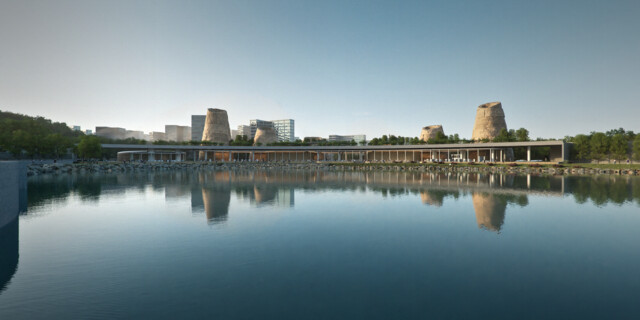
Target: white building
x=358 y=138
x=285 y=129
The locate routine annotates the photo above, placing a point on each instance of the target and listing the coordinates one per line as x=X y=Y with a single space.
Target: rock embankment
x=118 y=167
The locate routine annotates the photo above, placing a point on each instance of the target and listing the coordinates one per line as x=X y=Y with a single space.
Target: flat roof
x=488 y=145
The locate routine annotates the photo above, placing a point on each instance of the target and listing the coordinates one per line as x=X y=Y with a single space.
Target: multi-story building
x=111 y=133
x=88 y=132
x=177 y=133
x=197 y=127
x=134 y=134
x=157 y=136
x=285 y=129
x=255 y=124
x=245 y=130
x=76 y=128
x=358 y=138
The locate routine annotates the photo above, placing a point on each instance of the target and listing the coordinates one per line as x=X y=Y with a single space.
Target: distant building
x=197 y=127
x=177 y=133
x=88 y=132
x=134 y=134
x=234 y=134
x=254 y=124
x=245 y=131
x=76 y=128
x=157 y=136
x=285 y=129
x=111 y=133
x=358 y=138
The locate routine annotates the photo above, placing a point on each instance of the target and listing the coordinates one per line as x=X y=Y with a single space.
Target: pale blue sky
x=336 y=67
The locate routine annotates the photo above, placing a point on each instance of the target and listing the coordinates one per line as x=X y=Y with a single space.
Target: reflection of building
x=216 y=201
x=13 y=189
x=9 y=252
x=431 y=198
x=490 y=210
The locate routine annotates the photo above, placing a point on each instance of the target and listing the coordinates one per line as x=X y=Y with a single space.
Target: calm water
x=313 y=245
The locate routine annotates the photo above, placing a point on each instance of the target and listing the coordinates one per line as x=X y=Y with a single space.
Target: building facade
x=177 y=133
x=197 y=127
x=358 y=138
x=285 y=129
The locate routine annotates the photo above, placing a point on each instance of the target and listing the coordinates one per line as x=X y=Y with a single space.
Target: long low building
x=464 y=152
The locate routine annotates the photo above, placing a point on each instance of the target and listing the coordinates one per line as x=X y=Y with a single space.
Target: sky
x=335 y=67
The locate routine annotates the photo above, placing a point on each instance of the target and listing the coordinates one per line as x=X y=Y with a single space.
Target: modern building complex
x=197 y=127
x=358 y=138
x=285 y=128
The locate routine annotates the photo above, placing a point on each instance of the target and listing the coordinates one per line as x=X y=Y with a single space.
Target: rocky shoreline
x=120 y=167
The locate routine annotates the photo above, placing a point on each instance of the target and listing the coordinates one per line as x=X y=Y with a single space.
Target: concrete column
x=529 y=153
x=229 y=155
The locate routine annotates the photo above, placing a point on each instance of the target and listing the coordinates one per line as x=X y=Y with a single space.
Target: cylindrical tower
x=430 y=132
x=265 y=135
x=216 y=127
x=489 y=121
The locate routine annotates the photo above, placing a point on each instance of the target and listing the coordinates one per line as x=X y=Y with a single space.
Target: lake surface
x=323 y=245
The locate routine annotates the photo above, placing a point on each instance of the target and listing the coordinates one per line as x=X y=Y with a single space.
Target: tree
x=636 y=147
x=89 y=147
x=599 y=146
x=522 y=134
x=503 y=136
x=618 y=146
x=582 y=146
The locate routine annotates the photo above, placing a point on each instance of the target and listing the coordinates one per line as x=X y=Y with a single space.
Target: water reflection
x=210 y=192
x=13 y=201
x=8 y=252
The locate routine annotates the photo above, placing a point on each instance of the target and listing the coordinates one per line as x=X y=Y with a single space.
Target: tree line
x=609 y=145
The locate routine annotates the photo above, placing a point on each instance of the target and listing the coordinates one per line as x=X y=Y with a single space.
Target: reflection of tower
x=431 y=198
x=490 y=210
x=264 y=194
x=197 y=202
x=8 y=252
x=272 y=195
x=216 y=203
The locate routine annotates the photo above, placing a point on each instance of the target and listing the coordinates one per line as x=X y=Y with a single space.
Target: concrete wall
x=13 y=190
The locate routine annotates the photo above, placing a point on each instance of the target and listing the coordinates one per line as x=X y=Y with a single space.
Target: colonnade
x=431 y=155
